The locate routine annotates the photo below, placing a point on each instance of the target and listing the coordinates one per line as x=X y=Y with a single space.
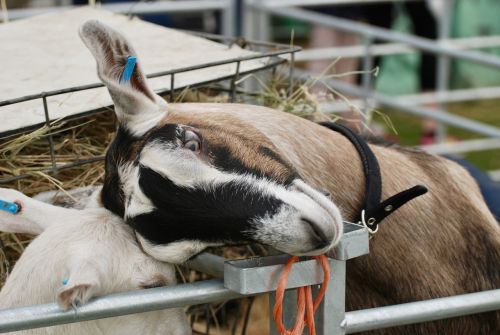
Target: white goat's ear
x=137 y=107
x=74 y=295
x=82 y=284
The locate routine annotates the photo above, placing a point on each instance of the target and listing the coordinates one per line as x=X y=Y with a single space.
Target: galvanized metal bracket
x=259 y=275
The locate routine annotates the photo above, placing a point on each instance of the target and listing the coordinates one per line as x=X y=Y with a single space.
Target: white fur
x=98 y=255
x=135 y=201
x=175 y=252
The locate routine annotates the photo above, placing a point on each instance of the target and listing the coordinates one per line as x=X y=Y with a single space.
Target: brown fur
x=443 y=243
x=242 y=140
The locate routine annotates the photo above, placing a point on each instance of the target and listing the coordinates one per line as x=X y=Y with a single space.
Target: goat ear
x=83 y=283
x=137 y=107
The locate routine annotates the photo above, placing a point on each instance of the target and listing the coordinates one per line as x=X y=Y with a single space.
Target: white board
x=44 y=53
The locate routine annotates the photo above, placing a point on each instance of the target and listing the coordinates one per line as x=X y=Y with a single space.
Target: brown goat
x=188 y=176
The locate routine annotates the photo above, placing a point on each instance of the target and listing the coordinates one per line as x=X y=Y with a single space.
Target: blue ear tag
x=9 y=207
x=128 y=70
x=65 y=281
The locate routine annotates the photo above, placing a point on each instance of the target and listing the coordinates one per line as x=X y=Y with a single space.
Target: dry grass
x=29 y=155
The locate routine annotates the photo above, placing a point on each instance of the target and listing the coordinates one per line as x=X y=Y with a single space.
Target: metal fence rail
x=272 y=53
x=373 y=32
x=259 y=13
x=390 y=102
x=213 y=290
x=116 y=304
x=226 y=7
x=422 y=311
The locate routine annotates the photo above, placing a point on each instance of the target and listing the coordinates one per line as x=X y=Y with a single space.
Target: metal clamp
x=368 y=224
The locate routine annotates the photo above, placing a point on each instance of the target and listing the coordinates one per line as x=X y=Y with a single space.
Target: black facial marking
x=223 y=159
x=112 y=194
x=163 y=134
x=220 y=214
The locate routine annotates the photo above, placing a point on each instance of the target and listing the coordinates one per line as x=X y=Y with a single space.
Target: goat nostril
x=318 y=233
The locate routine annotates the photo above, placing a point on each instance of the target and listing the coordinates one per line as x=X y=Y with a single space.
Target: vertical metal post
x=290 y=79
x=233 y=82
x=262 y=23
x=330 y=315
x=367 y=78
x=172 y=87
x=443 y=62
x=51 y=140
x=250 y=14
x=248 y=19
x=228 y=14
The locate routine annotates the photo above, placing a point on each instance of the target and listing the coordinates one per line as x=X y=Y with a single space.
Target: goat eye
x=192 y=141
x=192 y=145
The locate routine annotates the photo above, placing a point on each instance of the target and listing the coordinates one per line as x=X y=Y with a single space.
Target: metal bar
x=381 y=33
x=495 y=175
x=443 y=62
x=208 y=263
x=233 y=82
x=172 y=88
x=384 y=100
x=213 y=290
x=275 y=61
x=290 y=74
x=116 y=304
x=423 y=98
x=49 y=93
x=422 y=311
x=356 y=51
x=228 y=21
x=309 y=3
x=331 y=311
x=262 y=24
x=462 y=146
x=59 y=168
x=367 y=78
x=49 y=137
x=154 y=75
x=138 y=8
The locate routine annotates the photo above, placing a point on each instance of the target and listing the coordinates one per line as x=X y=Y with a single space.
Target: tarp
x=44 y=53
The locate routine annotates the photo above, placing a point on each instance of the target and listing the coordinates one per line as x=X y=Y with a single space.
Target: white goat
x=78 y=255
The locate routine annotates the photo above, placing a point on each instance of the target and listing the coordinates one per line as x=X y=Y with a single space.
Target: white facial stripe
x=138 y=202
x=325 y=203
x=175 y=252
x=180 y=166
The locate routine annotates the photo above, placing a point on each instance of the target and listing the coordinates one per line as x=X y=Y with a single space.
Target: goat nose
x=319 y=234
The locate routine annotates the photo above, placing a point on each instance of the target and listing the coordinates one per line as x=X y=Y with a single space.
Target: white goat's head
x=185 y=182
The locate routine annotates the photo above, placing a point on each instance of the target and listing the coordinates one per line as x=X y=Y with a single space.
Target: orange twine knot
x=305 y=306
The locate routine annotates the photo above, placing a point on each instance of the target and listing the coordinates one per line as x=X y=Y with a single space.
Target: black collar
x=373 y=211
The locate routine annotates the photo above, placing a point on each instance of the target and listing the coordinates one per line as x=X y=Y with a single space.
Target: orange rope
x=305 y=306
